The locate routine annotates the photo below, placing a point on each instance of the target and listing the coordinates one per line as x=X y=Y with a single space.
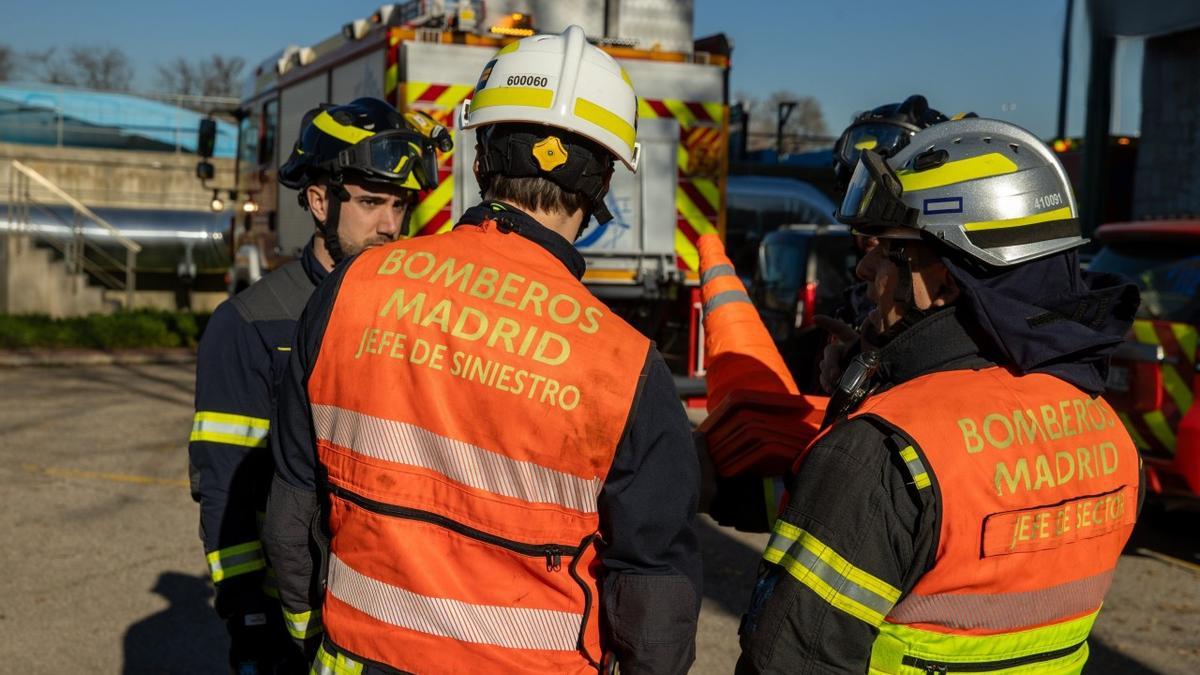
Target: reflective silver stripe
x=841 y=585
x=1004 y=611
x=512 y=627
x=229 y=428
x=716 y=271
x=468 y=464
x=724 y=298
x=915 y=467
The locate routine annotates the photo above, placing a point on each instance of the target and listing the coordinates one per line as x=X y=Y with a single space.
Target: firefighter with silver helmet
x=966 y=507
x=357 y=168
x=507 y=477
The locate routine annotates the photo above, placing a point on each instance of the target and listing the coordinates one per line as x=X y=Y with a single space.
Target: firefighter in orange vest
x=501 y=464
x=967 y=507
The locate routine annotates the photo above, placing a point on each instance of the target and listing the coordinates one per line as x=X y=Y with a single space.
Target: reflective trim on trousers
x=829 y=575
x=1004 y=611
x=401 y=443
x=512 y=627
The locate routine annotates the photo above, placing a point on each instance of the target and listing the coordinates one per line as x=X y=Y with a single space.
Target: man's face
x=932 y=285
x=372 y=216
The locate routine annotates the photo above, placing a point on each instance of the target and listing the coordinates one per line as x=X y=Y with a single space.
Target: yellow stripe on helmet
x=342 y=132
x=959 y=171
x=605 y=119
x=530 y=97
x=1043 y=217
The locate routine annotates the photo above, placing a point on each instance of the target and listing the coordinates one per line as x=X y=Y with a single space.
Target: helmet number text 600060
x=527 y=81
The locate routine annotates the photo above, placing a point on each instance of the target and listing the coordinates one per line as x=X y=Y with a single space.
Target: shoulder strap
x=281 y=295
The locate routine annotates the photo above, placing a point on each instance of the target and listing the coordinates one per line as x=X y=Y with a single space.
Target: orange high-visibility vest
x=1038 y=486
x=468 y=399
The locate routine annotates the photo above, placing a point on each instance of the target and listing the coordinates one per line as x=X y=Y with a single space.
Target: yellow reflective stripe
x=915 y=467
x=434 y=202
x=331 y=664
x=708 y=189
x=898 y=640
x=715 y=111
x=391 y=78
x=686 y=250
x=1138 y=440
x=1143 y=331
x=625 y=76
x=691 y=213
x=236 y=560
x=454 y=95
x=1159 y=427
x=829 y=575
x=303 y=625
x=413 y=90
x=607 y=120
x=509 y=48
x=679 y=111
x=1046 y=216
x=230 y=429
x=645 y=109
x=1186 y=335
x=1180 y=392
x=682 y=157
x=529 y=97
x=342 y=132
x=959 y=171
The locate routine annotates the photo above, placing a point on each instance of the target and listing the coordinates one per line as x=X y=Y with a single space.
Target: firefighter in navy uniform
x=967 y=507
x=246 y=344
x=503 y=465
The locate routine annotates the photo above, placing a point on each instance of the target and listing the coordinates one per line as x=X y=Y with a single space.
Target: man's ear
x=317 y=204
x=947 y=288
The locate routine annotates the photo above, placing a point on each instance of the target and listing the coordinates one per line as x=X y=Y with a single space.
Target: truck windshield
x=1168 y=275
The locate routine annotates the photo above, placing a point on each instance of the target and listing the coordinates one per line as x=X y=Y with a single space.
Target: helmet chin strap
x=902 y=297
x=335 y=194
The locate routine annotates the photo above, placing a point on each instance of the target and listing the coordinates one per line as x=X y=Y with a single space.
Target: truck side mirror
x=206 y=139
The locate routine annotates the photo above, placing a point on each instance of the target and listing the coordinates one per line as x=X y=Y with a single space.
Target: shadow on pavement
x=730 y=567
x=1104 y=661
x=143 y=384
x=1172 y=533
x=185 y=638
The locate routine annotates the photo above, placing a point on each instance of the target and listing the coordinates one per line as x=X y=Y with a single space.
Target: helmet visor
x=882 y=137
x=396 y=156
x=872 y=202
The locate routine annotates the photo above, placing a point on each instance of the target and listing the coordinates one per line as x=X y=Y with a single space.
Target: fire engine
x=426 y=55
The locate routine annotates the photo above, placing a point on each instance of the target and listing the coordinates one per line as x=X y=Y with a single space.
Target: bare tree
x=804 y=129
x=104 y=68
x=215 y=76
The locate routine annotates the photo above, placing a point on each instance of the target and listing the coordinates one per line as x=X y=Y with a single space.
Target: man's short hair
x=537 y=194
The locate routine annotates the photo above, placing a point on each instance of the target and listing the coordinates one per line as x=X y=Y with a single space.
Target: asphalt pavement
x=103 y=570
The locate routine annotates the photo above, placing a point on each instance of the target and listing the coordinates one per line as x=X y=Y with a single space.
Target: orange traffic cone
x=739 y=352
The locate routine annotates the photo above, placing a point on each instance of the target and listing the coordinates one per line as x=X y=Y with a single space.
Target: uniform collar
x=512 y=219
x=312 y=267
x=936 y=343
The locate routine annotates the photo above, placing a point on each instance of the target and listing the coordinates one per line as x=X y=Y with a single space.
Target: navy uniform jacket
x=241 y=360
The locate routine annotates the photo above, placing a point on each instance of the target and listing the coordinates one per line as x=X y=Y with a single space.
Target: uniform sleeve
x=227 y=449
x=293 y=531
x=651 y=592
x=857 y=533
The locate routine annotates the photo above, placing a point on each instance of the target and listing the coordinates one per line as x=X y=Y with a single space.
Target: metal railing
x=80 y=255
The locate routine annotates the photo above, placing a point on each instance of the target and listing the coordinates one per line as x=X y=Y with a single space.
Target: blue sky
x=997 y=59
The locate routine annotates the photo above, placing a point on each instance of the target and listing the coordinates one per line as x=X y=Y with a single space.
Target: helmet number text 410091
x=527 y=81
x=1046 y=201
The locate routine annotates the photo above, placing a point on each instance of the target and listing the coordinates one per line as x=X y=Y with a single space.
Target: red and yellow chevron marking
x=1155 y=430
x=391 y=76
x=433 y=212
x=699 y=193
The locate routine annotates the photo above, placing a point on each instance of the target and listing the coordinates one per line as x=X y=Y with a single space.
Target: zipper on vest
x=986 y=666
x=553 y=553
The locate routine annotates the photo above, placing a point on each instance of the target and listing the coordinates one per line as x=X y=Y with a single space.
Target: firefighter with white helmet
x=507 y=476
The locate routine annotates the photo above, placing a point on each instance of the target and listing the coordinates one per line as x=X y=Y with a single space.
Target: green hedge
x=123 y=330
